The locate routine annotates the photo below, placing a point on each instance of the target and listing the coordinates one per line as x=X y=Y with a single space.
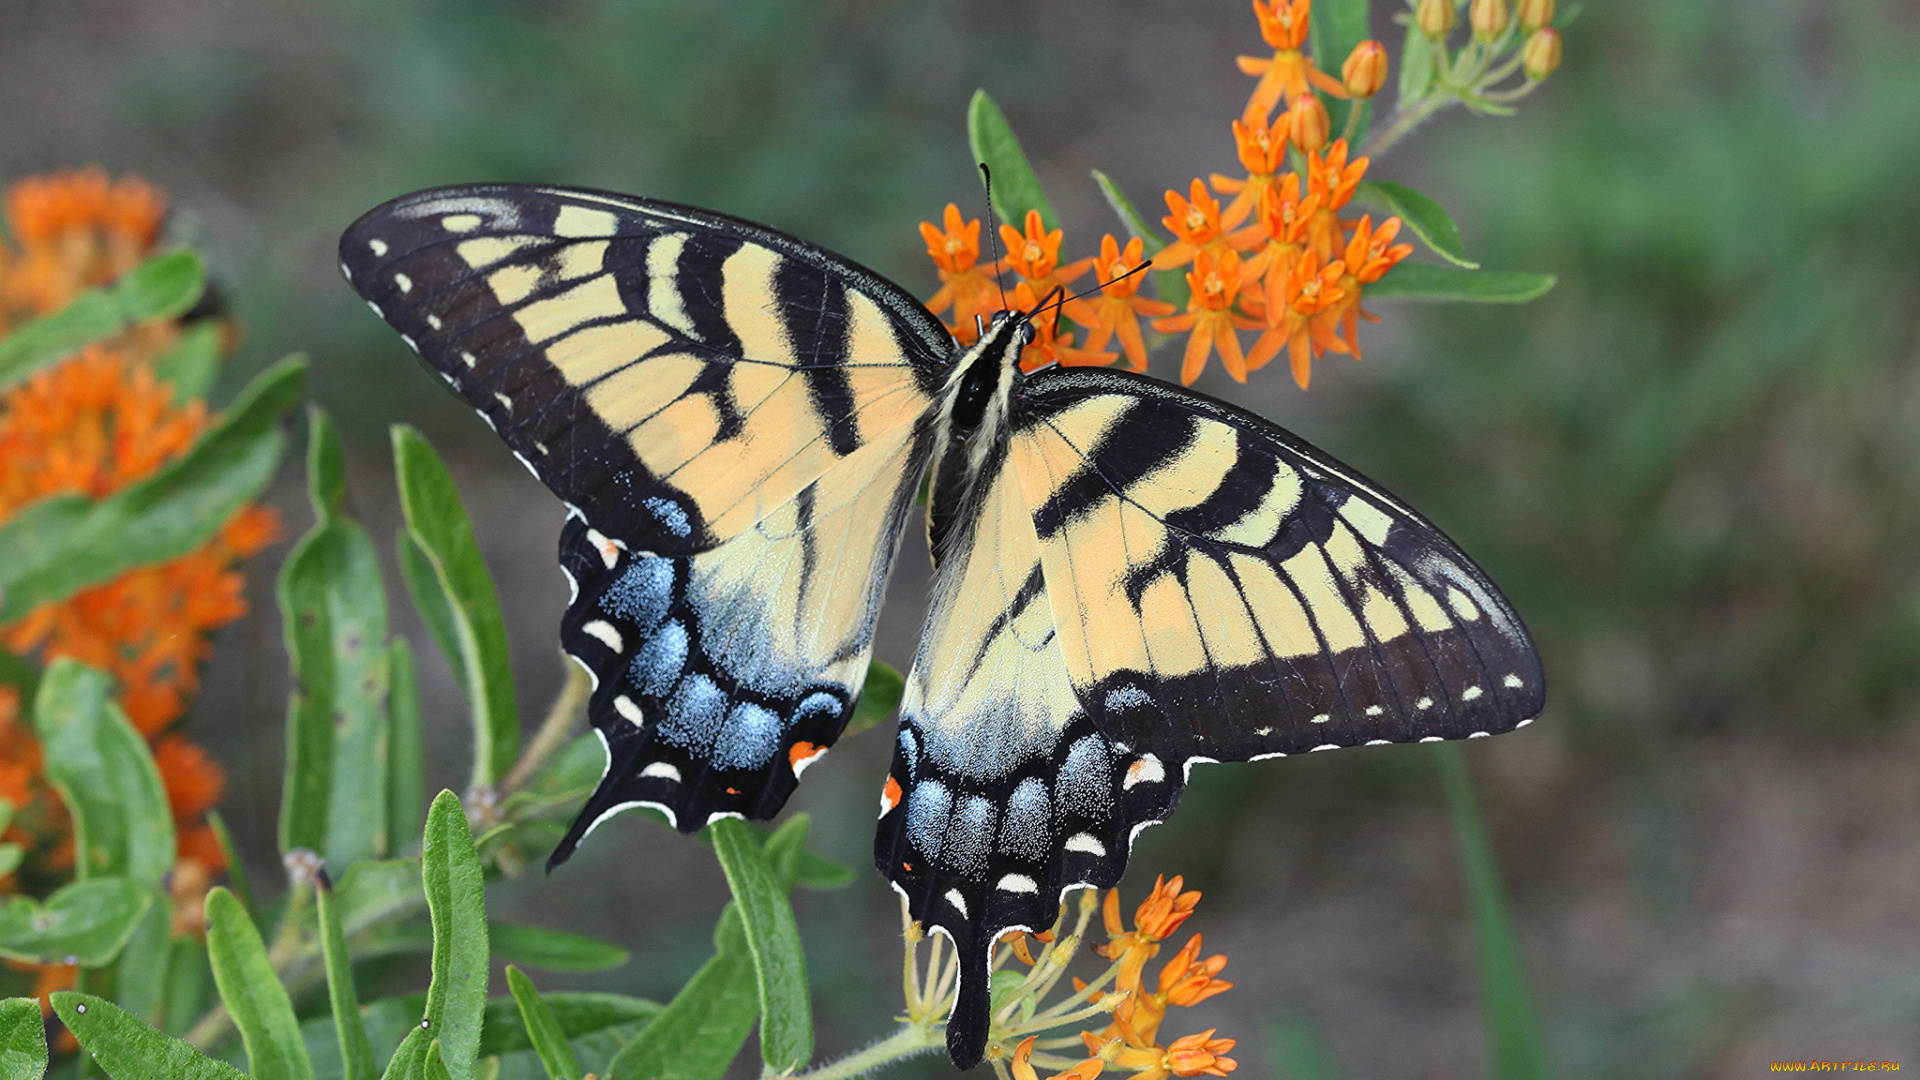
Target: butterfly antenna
x=1065 y=300
x=993 y=234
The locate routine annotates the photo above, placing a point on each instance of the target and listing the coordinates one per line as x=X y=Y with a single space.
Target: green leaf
x=786 y=1015
x=57 y=546
x=164 y=286
x=416 y=570
x=438 y=524
x=1016 y=189
x=578 y=1014
x=457 y=996
x=410 y=1061
x=23 y=1040
x=376 y=892
x=1517 y=1050
x=879 y=698
x=130 y=1050
x=543 y=1028
x=436 y=1063
x=702 y=1029
x=333 y=606
x=555 y=950
x=236 y=872
x=1336 y=27
x=189 y=981
x=1425 y=281
x=24 y=676
x=406 y=754
x=1421 y=213
x=1170 y=284
x=1416 y=67
x=10 y=856
x=140 y=977
x=191 y=363
x=356 y=1050
x=819 y=873
x=1297 y=1052
x=87 y=922
x=105 y=775
x=252 y=993
x=784 y=848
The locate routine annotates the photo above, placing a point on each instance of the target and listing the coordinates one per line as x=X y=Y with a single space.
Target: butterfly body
x=1130 y=578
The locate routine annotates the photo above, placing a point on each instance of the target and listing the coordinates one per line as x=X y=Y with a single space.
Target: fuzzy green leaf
x=105 y=775
x=190 y=364
x=130 y=1050
x=554 y=950
x=164 y=286
x=702 y=1029
x=1517 y=1050
x=53 y=548
x=1170 y=284
x=1336 y=27
x=356 y=1050
x=786 y=1014
x=189 y=985
x=457 y=996
x=10 y=856
x=1425 y=281
x=259 y=1005
x=879 y=697
x=410 y=1061
x=1416 y=66
x=140 y=976
x=577 y=1014
x=406 y=752
x=437 y=522
x=87 y=922
x=23 y=1040
x=1421 y=213
x=333 y=605
x=236 y=870
x=543 y=1028
x=1016 y=189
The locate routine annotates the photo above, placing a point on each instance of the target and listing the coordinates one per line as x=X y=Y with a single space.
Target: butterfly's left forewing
x=736 y=421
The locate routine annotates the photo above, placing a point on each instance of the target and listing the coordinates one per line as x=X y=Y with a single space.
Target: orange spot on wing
x=802 y=753
x=889 y=796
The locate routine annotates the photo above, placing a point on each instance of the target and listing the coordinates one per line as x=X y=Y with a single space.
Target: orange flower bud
x=1489 y=18
x=1365 y=71
x=1434 y=18
x=1541 y=54
x=1535 y=14
x=1311 y=125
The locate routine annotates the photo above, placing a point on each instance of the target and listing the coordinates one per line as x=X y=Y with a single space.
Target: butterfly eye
x=1025 y=334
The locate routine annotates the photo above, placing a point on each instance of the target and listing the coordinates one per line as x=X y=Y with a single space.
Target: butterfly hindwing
x=736 y=421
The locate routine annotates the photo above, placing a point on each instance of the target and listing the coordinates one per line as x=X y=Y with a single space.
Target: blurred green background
x=1694 y=466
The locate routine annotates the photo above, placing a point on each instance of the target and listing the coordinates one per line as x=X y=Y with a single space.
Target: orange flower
x=1158 y=916
x=1120 y=305
x=1370 y=253
x=1287 y=74
x=1284 y=217
x=75 y=229
x=1022 y=1064
x=1308 y=290
x=1331 y=178
x=1199 y=226
x=1035 y=256
x=1185 y=981
x=1211 y=318
x=971 y=290
x=1263 y=152
x=92 y=425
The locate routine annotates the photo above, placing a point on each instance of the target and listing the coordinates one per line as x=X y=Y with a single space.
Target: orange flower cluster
x=1278 y=259
x=1131 y=1040
x=91 y=425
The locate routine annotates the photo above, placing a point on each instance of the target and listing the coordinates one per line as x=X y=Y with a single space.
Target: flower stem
x=553 y=730
x=909 y=1041
x=1404 y=121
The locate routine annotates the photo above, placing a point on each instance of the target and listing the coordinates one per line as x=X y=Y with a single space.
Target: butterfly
x=1130 y=578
